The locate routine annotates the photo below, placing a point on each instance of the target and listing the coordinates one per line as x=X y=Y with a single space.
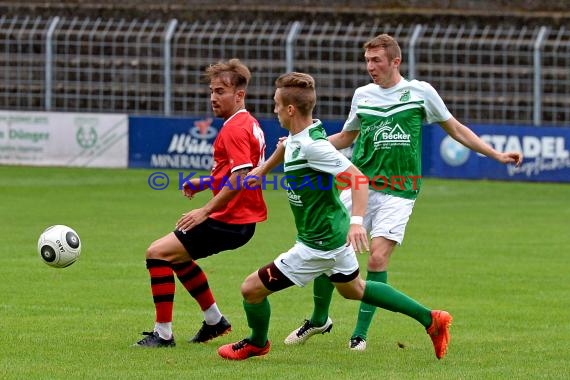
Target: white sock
x=164 y=330
x=212 y=315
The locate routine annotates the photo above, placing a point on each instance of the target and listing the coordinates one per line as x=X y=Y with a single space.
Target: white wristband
x=356 y=220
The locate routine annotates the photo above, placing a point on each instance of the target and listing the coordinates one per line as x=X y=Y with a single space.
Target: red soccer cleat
x=439 y=331
x=242 y=350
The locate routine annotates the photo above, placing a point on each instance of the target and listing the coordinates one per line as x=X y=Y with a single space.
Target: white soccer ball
x=59 y=246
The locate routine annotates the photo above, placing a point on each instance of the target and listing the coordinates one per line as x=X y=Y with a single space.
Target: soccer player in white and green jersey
x=385 y=122
x=327 y=237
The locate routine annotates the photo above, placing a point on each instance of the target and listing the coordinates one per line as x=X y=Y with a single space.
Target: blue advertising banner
x=186 y=143
x=176 y=143
x=545 y=149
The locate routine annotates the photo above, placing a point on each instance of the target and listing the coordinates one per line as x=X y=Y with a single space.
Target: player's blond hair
x=232 y=72
x=298 y=89
x=386 y=42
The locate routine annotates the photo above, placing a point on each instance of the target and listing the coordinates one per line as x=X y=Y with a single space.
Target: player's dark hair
x=298 y=89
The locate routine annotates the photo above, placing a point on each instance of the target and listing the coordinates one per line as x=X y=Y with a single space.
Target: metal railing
x=486 y=74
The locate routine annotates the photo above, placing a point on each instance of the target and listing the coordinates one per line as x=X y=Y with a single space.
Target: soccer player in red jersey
x=226 y=222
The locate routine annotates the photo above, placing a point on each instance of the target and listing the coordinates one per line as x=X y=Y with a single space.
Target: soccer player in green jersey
x=385 y=122
x=327 y=237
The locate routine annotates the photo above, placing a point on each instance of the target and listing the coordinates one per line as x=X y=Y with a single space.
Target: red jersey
x=240 y=144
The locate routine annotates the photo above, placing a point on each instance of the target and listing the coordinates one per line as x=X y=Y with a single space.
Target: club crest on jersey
x=295 y=153
x=405 y=96
x=295 y=149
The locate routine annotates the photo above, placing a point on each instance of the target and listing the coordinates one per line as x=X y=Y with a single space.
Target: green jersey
x=311 y=165
x=388 y=147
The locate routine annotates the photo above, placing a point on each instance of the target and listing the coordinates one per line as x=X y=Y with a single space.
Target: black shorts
x=212 y=236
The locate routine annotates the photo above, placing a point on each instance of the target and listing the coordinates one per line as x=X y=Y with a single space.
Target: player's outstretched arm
x=193 y=186
x=467 y=137
x=511 y=158
x=343 y=139
x=254 y=177
x=357 y=235
x=192 y=218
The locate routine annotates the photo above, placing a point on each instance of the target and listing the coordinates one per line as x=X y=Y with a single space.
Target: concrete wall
x=480 y=11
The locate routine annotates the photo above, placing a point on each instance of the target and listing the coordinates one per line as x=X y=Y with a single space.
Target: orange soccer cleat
x=242 y=350
x=439 y=331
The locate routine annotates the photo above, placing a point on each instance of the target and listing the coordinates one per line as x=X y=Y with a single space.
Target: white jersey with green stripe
x=311 y=165
x=388 y=148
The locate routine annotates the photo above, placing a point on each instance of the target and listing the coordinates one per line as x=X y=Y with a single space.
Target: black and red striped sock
x=163 y=287
x=195 y=281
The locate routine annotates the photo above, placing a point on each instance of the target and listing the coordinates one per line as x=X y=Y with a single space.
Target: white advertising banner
x=63 y=139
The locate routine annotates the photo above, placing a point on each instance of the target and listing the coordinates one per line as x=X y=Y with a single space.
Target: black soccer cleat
x=152 y=339
x=209 y=332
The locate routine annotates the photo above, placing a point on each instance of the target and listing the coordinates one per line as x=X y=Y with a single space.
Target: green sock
x=366 y=311
x=322 y=295
x=258 y=315
x=386 y=297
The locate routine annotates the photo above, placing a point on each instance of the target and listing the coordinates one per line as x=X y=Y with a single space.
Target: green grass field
x=494 y=254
